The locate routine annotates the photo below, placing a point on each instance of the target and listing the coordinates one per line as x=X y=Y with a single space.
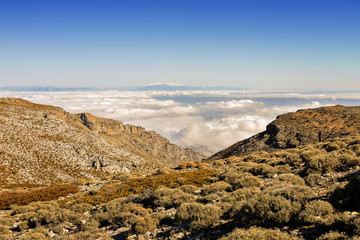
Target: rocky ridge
x=307 y=126
x=44 y=144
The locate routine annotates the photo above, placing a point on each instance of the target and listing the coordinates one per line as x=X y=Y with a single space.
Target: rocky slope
x=45 y=144
x=303 y=127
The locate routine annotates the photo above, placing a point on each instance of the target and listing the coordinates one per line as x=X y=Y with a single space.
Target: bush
x=217 y=187
x=317 y=212
x=292 y=179
x=257 y=233
x=33 y=236
x=348 y=197
x=199 y=216
x=333 y=236
x=144 y=224
x=348 y=160
x=168 y=198
x=189 y=189
x=313 y=179
x=322 y=163
x=81 y=207
x=8 y=198
x=118 y=214
x=295 y=193
x=4 y=229
x=265 y=210
x=246 y=181
x=263 y=170
x=7 y=221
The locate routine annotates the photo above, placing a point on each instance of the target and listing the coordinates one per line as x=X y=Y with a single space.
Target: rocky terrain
x=306 y=190
x=45 y=144
x=303 y=127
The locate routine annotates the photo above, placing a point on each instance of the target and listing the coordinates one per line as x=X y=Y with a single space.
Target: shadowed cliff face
x=45 y=144
x=303 y=127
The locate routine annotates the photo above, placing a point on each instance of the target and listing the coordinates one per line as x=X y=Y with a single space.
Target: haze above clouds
x=211 y=120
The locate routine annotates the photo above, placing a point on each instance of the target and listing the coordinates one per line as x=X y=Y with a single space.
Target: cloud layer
x=213 y=119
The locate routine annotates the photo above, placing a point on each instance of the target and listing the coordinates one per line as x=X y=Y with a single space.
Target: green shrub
x=257 y=233
x=317 y=212
x=81 y=207
x=295 y=193
x=33 y=236
x=246 y=181
x=217 y=187
x=199 y=216
x=168 y=198
x=292 y=179
x=349 y=160
x=313 y=179
x=333 y=236
x=144 y=224
x=118 y=214
x=263 y=170
x=7 y=221
x=322 y=163
x=265 y=210
x=4 y=229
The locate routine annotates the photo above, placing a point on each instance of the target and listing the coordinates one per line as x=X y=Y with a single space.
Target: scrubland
x=309 y=192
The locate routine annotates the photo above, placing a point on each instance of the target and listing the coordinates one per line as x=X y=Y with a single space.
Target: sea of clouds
x=205 y=120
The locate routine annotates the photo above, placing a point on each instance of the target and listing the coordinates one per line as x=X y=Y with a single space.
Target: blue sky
x=258 y=44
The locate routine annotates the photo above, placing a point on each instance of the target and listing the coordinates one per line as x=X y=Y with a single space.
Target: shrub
x=257 y=233
x=263 y=170
x=292 y=179
x=21 y=209
x=348 y=197
x=8 y=198
x=265 y=210
x=4 y=229
x=317 y=212
x=199 y=216
x=186 y=165
x=33 y=236
x=323 y=163
x=7 y=221
x=210 y=198
x=348 y=160
x=333 y=236
x=117 y=214
x=296 y=193
x=81 y=207
x=168 y=198
x=189 y=189
x=313 y=179
x=144 y=224
x=217 y=187
x=331 y=146
x=230 y=177
x=246 y=181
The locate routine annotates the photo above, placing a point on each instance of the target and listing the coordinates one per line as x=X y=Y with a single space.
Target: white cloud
x=215 y=119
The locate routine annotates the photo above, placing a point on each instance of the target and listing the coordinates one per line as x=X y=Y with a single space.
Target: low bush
x=217 y=187
x=197 y=215
x=8 y=198
x=333 y=236
x=144 y=224
x=263 y=170
x=295 y=193
x=4 y=229
x=292 y=179
x=6 y=221
x=168 y=198
x=246 y=181
x=257 y=233
x=317 y=212
x=265 y=210
x=322 y=163
x=313 y=179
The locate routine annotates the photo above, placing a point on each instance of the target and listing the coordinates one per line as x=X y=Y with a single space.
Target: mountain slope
x=307 y=126
x=45 y=144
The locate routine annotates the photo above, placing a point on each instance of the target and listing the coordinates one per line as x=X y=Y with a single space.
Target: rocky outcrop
x=45 y=144
x=307 y=126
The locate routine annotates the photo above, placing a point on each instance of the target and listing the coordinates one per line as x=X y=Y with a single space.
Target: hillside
x=303 y=127
x=305 y=192
x=44 y=144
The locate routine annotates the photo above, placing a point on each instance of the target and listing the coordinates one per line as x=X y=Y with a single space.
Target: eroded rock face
x=303 y=127
x=45 y=144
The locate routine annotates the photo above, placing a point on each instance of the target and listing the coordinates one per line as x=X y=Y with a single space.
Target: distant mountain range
x=152 y=87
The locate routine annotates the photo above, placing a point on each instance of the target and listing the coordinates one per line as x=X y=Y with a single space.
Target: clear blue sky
x=260 y=44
